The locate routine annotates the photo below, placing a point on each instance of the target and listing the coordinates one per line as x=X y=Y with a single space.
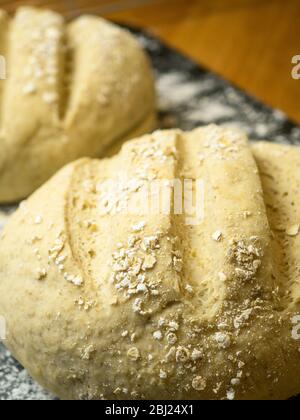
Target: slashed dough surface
x=117 y=306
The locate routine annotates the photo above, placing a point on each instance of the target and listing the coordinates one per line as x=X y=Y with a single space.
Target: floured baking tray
x=189 y=96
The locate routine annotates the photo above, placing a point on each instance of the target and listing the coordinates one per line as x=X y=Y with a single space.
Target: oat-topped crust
x=72 y=90
x=108 y=305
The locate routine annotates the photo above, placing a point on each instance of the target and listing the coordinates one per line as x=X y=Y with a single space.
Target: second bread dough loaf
x=73 y=90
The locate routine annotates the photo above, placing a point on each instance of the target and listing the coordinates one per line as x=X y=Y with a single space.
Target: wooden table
x=249 y=42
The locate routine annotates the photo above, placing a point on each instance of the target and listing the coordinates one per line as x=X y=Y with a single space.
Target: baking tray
x=189 y=96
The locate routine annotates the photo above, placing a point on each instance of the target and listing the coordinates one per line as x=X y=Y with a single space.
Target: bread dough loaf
x=72 y=91
x=112 y=305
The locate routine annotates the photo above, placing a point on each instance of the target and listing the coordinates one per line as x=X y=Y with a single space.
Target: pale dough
x=116 y=306
x=73 y=90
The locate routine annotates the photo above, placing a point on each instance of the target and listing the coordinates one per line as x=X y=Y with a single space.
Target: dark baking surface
x=189 y=96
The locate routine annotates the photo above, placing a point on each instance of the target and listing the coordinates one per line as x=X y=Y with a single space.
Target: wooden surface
x=249 y=42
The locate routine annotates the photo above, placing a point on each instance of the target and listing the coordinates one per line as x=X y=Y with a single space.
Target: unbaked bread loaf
x=112 y=305
x=72 y=91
